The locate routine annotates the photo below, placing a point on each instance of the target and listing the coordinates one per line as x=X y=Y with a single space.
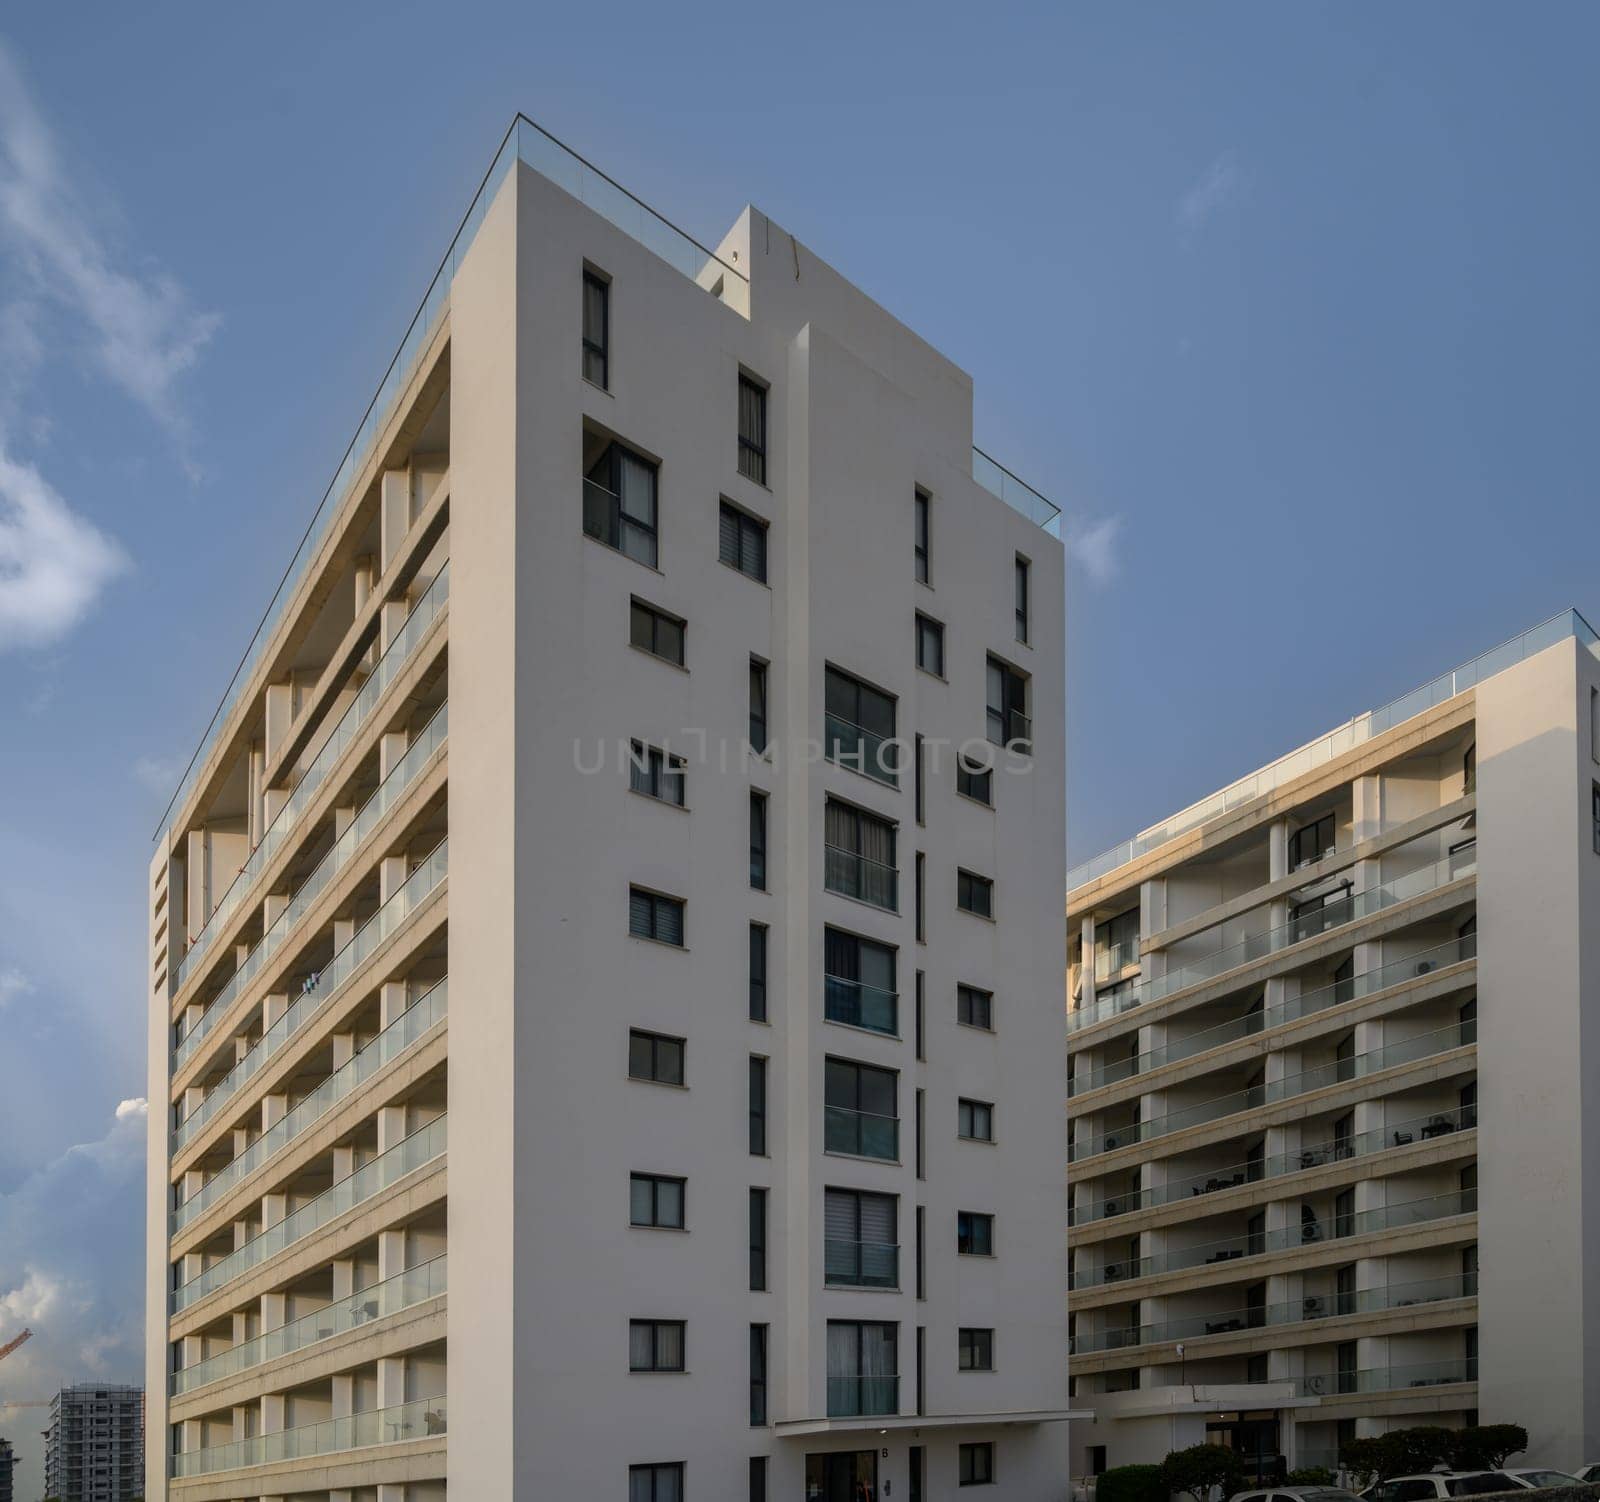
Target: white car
x=1295 y=1494
x=1589 y=1474
x=1442 y=1484
x=1535 y=1477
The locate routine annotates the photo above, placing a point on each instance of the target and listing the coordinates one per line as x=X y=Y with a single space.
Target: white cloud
x=138 y=1107
x=159 y=773
x=13 y=983
x=1093 y=547
x=1219 y=185
x=53 y=562
x=147 y=334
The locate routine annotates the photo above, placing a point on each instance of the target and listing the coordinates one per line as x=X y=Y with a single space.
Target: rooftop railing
x=1319 y=752
x=421 y=1419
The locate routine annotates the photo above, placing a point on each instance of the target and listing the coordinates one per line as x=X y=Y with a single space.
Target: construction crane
x=11 y=1345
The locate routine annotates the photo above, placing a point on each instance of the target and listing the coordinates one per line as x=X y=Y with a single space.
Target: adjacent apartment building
x=603 y=954
x=94 y=1447
x=8 y=1466
x=1332 y=1031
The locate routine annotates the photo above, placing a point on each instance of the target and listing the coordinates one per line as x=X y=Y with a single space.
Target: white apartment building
x=590 y=794
x=1330 y=1159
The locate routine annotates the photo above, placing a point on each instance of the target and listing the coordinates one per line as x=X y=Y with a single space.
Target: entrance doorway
x=1254 y=1438
x=842 y=1476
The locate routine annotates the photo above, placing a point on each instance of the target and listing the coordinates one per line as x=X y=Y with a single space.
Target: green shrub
x=1310 y=1475
x=1130 y=1483
x=1201 y=1467
x=1486 y=1447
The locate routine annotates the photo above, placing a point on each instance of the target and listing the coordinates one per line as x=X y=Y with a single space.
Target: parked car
x=1533 y=1477
x=1295 y=1494
x=1441 y=1484
x=1589 y=1474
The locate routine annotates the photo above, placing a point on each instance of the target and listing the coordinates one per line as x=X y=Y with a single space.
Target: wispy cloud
x=1221 y=184
x=13 y=983
x=1093 y=547
x=53 y=562
x=159 y=773
x=147 y=333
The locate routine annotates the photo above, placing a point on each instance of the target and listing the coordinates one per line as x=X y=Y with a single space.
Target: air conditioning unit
x=1311 y=1308
x=1113 y=1207
x=1424 y=966
x=1112 y=1141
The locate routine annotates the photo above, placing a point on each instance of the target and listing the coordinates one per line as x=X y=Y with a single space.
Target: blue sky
x=1290 y=307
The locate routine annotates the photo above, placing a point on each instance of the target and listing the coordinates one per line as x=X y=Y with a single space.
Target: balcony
x=423 y=1419
x=861 y=750
x=861 y=877
x=320 y=989
x=371 y=1179
x=857 y=1004
x=606 y=520
x=394 y=1040
x=1260 y=946
x=860 y=1134
x=860 y=1264
x=855 y=1397
x=389 y=792
x=1387 y=1378
x=395 y=657
x=403 y=1291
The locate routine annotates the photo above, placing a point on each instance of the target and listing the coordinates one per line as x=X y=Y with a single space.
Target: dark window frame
x=753 y=396
x=969 y=886
x=599 y=348
x=758 y=1238
x=655 y=1040
x=759 y=1346
x=974 y=781
x=758 y=1105
x=930 y=645
x=835 y=876
x=749 y=539
x=1319 y=834
x=971 y=1114
x=975 y=1348
x=655 y=1469
x=655 y=618
x=975 y=1463
x=833 y=1066
x=974 y=1227
x=840 y=684
x=760 y=689
x=842 y=951
x=656 y=1328
x=606 y=520
x=1008 y=722
x=1022 y=585
x=655 y=1181
x=922 y=534
x=659 y=903
x=967 y=1008
x=759 y=806
x=759 y=964
x=652 y=772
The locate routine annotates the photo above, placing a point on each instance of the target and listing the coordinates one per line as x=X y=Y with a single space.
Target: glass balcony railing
x=1360 y=1144
x=370 y=1179
x=310 y=781
x=1110 y=958
x=394 y=1040
x=1387 y=1378
x=403 y=1291
x=1260 y=1316
x=421 y=1419
x=853 y=1397
x=861 y=877
x=1307 y=1004
x=860 y=1005
x=1260 y=946
x=1019 y=496
x=1338 y=1071
x=861 y=750
x=1258 y=1244
x=320 y=989
x=1336 y=743
x=861 y=1264
x=862 y=1134
x=388 y=793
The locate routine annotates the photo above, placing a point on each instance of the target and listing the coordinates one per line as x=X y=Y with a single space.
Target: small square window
x=930 y=645
x=654 y=916
x=975 y=1350
x=975 y=894
x=974 y=1234
x=974 y=780
x=977 y=1465
x=655 y=1056
x=975 y=1008
x=655 y=1200
x=656 y=773
x=655 y=1345
x=742 y=542
x=975 y=1120
x=656 y=632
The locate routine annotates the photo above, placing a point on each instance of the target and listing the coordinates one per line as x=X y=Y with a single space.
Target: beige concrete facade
x=401 y=896
x=1307 y=1091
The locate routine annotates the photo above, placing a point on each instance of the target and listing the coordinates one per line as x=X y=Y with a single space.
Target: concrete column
x=241 y=1140
x=344 y=1049
x=343 y=818
x=192 y=1098
x=366 y=573
x=344 y=1163
x=391 y=1254
x=272 y=906
x=390 y=619
x=1278 y=850
x=273 y=1006
x=273 y=1209
x=391 y=748
x=272 y=1412
x=344 y=930
x=1086 y=970
x=193 y=1181
x=194 y=1263
x=272 y=801
x=344 y=1278
x=393 y=997
x=273 y=1109
x=391 y=1381
x=197 y=879
x=192 y=1436
x=241 y=1421
x=343 y=1395
x=394 y=514
x=274 y=1306
x=241 y=1326
x=279 y=705
x=253 y=826
x=392 y=872
x=391 y=1126
x=192 y=1350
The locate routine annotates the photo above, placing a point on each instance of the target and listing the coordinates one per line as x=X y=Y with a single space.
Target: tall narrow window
x=596 y=330
x=922 y=898
x=758 y=1478
x=1022 y=568
x=758 y=1106
x=922 y=506
x=619 y=499
x=922 y=1133
x=758 y=841
x=930 y=645
x=758 y=1376
x=752 y=430
x=1008 y=722
x=918 y=752
x=758 y=1240
x=758 y=972
x=922 y=1017
x=742 y=542
x=759 y=730
x=922 y=1251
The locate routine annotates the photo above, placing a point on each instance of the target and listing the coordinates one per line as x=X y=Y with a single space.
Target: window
x=1007 y=722
x=861 y=1115
x=921 y=1015
x=758 y=1106
x=1344 y=1213
x=1467 y=1097
x=1469 y=1271
x=1344 y=980
x=655 y=1345
x=758 y=841
x=758 y=706
x=656 y=1482
x=859 y=982
x=758 y=1376
x=596 y=329
x=758 y=972
x=977 y=1464
x=974 y=780
x=1311 y=842
x=922 y=505
x=656 y=773
x=858 y=727
x=1344 y=1360
x=619 y=499
x=975 y=1120
x=1594 y=814
x=860 y=856
x=758 y=1478
x=1469 y=770
x=920 y=762
x=656 y=632
x=1344 y=1289
x=1021 y=577
x=930 y=645
x=752 y=430
x=652 y=916
x=655 y=1056
x=655 y=1200
x=975 y=1350
x=974 y=894
x=758 y=1240
x=922 y=1251
x=975 y=1008
x=1467 y=1187
x=742 y=542
x=922 y=898
x=861 y=1235
x=1467 y=1021
x=862 y=1368
x=974 y=1234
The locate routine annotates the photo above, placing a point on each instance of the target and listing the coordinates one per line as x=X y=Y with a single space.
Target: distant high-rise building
x=94 y=1447
x=8 y=1463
